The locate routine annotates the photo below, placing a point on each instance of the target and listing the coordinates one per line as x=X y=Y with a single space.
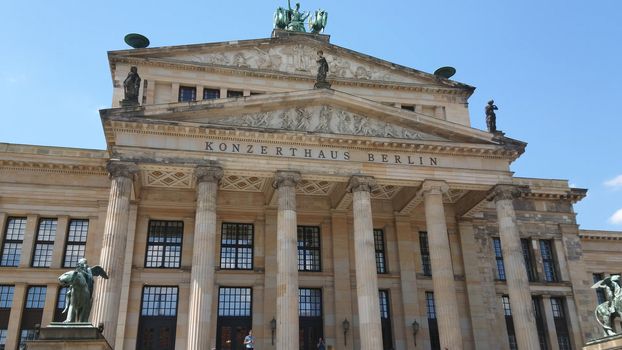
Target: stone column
x=108 y=292
x=442 y=271
x=287 y=262
x=370 y=331
x=203 y=260
x=515 y=271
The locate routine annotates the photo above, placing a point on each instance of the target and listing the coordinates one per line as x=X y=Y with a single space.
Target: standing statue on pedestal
x=322 y=71
x=491 y=117
x=131 y=87
x=79 y=283
x=606 y=312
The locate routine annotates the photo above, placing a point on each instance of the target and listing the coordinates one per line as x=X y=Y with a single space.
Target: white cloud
x=616 y=182
x=616 y=218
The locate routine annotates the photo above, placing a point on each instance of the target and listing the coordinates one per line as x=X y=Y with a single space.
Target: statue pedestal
x=69 y=336
x=607 y=343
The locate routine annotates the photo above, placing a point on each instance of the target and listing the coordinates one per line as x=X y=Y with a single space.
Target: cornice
x=272 y=74
x=58 y=168
x=302 y=139
x=600 y=235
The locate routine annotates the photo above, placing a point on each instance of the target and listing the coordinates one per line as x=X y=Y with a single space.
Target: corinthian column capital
x=209 y=173
x=506 y=191
x=121 y=169
x=286 y=179
x=434 y=187
x=361 y=183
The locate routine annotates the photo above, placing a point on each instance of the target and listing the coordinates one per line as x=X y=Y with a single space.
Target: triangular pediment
x=321 y=112
x=295 y=56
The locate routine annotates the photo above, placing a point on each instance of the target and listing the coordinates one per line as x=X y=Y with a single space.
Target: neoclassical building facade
x=236 y=196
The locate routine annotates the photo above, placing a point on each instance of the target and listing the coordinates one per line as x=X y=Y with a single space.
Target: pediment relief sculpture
x=326 y=120
x=297 y=59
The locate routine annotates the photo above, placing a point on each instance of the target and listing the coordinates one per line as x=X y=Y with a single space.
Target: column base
x=69 y=336
x=607 y=343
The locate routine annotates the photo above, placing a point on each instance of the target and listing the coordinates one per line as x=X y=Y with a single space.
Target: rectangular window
x=236 y=246
x=409 y=107
x=309 y=249
x=309 y=302
x=435 y=343
x=548 y=261
x=496 y=242
x=158 y=318
x=235 y=306
x=44 y=244
x=187 y=93
x=234 y=301
x=425 y=254
x=210 y=94
x=234 y=93
x=381 y=265
x=509 y=322
x=561 y=324
x=76 y=242
x=385 y=320
x=600 y=293
x=60 y=305
x=33 y=312
x=540 y=322
x=6 y=301
x=13 y=239
x=528 y=256
x=164 y=244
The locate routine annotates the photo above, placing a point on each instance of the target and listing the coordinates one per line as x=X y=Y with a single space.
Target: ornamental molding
x=261 y=73
x=242 y=183
x=58 y=168
x=167 y=177
x=304 y=139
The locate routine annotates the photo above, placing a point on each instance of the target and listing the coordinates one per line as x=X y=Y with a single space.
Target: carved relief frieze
x=324 y=119
x=384 y=191
x=296 y=59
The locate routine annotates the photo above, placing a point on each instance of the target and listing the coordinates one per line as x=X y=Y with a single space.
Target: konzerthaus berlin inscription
x=307 y=192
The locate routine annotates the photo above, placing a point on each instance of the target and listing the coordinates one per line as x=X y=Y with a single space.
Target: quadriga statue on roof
x=606 y=312
x=79 y=283
x=293 y=19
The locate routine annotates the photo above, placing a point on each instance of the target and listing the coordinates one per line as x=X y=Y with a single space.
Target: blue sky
x=553 y=68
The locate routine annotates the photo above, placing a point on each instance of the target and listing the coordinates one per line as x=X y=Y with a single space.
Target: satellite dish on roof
x=136 y=40
x=445 y=72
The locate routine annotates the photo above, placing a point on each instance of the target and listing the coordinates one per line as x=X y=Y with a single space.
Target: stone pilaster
x=515 y=271
x=203 y=261
x=442 y=271
x=107 y=292
x=370 y=331
x=287 y=261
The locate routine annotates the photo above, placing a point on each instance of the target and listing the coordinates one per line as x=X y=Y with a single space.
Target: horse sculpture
x=79 y=283
x=318 y=20
x=607 y=312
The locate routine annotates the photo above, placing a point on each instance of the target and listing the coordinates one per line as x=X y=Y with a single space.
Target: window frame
x=424 y=250
x=315 y=302
x=307 y=248
x=499 y=263
x=238 y=247
x=75 y=243
x=380 y=248
x=18 y=242
x=187 y=88
x=39 y=242
x=548 y=263
x=233 y=311
x=532 y=274
x=206 y=90
x=164 y=244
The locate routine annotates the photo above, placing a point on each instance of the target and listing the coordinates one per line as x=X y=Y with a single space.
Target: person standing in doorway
x=249 y=340
x=321 y=345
